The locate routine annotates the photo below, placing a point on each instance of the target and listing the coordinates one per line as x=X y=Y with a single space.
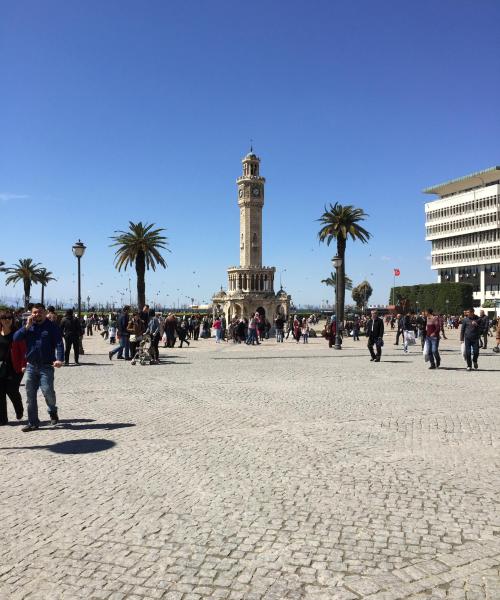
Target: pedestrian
x=217 y=326
x=252 y=330
x=44 y=352
x=154 y=332
x=304 y=330
x=279 y=323
x=12 y=363
x=135 y=329
x=170 y=330
x=112 y=330
x=432 y=330
x=485 y=325
x=470 y=334
x=421 y=322
x=408 y=333
x=123 y=337
x=355 y=330
x=71 y=332
x=90 y=322
x=375 y=335
x=182 y=332
x=400 y=330
x=497 y=338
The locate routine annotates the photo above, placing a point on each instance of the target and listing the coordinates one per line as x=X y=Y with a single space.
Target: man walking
x=375 y=334
x=71 y=332
x=123 y=335
x=469 y=334
x=485 y=325
x=400 y=330
x=44 y=352
x=432 y=329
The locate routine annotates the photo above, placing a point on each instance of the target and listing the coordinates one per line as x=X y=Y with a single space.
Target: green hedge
x=434 y=295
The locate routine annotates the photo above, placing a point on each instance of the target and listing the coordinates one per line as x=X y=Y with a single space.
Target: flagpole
x=393 y=285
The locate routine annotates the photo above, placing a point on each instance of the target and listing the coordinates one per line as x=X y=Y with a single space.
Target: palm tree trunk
x=43 y=295
x=140 y=269
x=27 y=290
x=341 y=244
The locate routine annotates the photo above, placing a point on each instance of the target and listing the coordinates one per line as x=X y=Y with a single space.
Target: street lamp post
x=337 y=263
x=79 y=250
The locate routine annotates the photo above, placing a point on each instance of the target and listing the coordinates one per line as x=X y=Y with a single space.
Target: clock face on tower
x=256 y=191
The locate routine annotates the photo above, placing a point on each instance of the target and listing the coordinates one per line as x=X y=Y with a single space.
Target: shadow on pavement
x=72 y=446
x=68 y=424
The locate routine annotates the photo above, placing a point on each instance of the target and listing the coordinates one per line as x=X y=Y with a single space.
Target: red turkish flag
x=397 y=272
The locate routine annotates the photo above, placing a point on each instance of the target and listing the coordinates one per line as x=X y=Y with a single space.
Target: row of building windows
x=463 y=208
x=468 y=239
x=491 y=253
x=475 y=221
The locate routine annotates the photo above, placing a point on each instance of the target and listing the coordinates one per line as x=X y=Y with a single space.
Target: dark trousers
x=471 y=351
x=10 y=387
x=371 y=344
x=400 y=332
x=68 y=342
x=422 y=338
x=484 y=341
x=196 y=333
x=89 y=330
x=154 y=347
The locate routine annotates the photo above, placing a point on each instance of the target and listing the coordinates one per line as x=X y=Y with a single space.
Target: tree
x=2 y=267
x=332 y=281
x=361 y=293
x=26 y=271
x=340 y=223
x=140 y=246
x=446 y=298
x=44 y=277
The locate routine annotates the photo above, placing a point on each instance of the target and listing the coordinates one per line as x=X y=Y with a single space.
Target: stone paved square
x=258 y=473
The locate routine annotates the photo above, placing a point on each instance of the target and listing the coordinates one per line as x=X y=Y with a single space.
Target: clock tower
x=250 y=202
x=250 y=286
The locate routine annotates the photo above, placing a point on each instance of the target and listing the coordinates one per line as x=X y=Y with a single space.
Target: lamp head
x=79 y=249
x=337 y=262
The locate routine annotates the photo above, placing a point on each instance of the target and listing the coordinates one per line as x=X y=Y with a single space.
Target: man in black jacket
x=469 y=334
x=375 y=334
x=71 y=332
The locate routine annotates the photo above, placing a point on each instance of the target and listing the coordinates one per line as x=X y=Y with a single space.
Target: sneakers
x=54 y=418
x=469 y=368
x=29 y=427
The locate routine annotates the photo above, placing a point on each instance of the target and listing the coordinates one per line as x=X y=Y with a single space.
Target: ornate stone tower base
x=251 y=286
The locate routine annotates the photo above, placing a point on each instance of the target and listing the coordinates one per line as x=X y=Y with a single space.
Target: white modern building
x=463 y=225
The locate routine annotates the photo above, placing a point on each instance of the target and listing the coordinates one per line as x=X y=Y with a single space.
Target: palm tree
x=339 y=223
x=26 y=271
x=332 y=281
x=2 y=266
x=140 y=246
x=44 y=277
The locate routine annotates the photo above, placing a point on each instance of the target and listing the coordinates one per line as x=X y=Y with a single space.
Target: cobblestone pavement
x=279 y=471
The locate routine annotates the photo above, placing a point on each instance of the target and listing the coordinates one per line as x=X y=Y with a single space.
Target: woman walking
x=12 y=363
x=135 y=328
x=305 y=331
x=154 y=331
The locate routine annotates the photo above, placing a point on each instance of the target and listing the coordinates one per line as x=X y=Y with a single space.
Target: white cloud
x=385 y=258
x=7 y=197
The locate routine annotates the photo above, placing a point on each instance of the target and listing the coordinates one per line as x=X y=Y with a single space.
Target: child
x=112 y=331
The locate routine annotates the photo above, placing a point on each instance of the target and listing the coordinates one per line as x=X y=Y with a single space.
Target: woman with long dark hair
x=12 y=362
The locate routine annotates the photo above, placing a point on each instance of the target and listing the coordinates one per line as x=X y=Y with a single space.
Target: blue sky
x=119 y=110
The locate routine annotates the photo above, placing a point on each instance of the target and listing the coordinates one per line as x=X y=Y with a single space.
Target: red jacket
x=18 y=356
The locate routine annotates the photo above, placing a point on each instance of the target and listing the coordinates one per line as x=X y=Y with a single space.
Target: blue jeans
x=39 y=377
x=124 y=345
x=432 y=349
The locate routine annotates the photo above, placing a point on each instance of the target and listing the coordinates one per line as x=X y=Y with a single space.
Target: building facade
x=463 y=226
x=250 y=286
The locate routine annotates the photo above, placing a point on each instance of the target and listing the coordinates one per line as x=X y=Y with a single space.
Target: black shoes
x=19 y=415
x=110 y=355
x=377 y=359
x=29 y=427
x=476 y=365
x=372 y=359
x=54 y=418
x=432 y=367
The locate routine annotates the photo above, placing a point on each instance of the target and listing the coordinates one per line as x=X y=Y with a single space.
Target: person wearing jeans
x=44 y=352
x=124 y=337
x=432 y=330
